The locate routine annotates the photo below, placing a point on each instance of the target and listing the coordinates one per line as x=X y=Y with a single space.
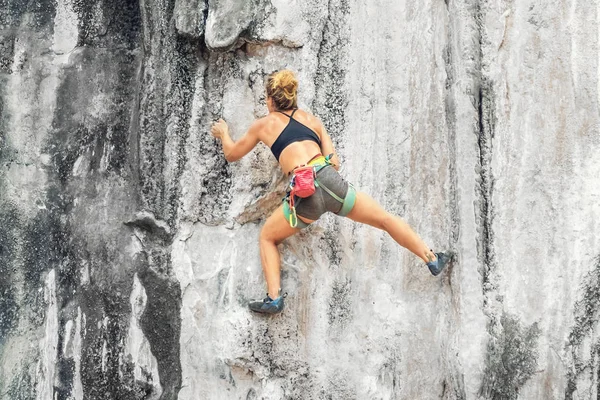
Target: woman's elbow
x=231 y=157
x=335 y=161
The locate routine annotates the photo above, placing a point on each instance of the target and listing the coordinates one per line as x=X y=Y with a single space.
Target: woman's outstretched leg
x=368 y=211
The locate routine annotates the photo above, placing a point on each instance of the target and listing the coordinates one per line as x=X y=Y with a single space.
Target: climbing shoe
x=268 y=305
x=441 y=260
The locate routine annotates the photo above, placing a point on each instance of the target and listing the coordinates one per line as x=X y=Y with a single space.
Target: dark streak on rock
x=43 y=12
x=3 y=118
x=153 y=115
x=40 y=254
x=216 y=193
x=184 y=77
x=9 y=307
x=299 y=380
x=120 y=26
x=484 y=102
x=456 y=386
x=205 y=17
x=11 y=12
x=135 y=129
x=389 y=373
x=587 y=313
x=339 y=311
x=511 y=360
x=107 y=320
x=512 y=349
x=486 y=125
x=98 y=140
x=47 y=244
x=161 y=323
x=7 y=53
x=22 y=387
x=332 y=246
x=331 y=100
x=65 y=371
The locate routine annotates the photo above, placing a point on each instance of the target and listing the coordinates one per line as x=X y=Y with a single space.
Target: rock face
x=128 y=246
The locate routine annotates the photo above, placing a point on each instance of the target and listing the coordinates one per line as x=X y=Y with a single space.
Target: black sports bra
x=294 y=131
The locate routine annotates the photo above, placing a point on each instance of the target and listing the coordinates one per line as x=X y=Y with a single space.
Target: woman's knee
x=264 y=236
x=267 y=237
x=386 y=221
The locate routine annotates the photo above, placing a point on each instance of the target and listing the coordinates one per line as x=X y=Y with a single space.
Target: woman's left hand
x=219 y=129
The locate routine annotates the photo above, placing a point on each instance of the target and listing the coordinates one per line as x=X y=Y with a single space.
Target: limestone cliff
x=128 y=246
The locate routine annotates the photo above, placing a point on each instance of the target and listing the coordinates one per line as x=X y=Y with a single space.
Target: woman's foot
x=440 y=262
x=268 y=305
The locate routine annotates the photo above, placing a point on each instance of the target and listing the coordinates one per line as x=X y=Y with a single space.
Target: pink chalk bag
x=303 y=181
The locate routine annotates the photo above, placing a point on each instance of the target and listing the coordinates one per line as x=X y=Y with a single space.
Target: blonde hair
x=282 y=87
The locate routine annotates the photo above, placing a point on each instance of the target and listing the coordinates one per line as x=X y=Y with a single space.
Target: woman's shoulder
x=309 y=119
x=263 y=126
x=307 y=114
x=261 y=123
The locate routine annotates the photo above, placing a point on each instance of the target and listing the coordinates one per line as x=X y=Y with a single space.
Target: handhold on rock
x=226 y=21
x=146 y=221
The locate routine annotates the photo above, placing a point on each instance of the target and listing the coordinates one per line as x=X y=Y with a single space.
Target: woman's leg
x=368 y=211
x=275 y=230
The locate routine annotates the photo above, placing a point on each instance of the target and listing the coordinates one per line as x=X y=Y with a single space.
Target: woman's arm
x=327 y=148
x=235 y=150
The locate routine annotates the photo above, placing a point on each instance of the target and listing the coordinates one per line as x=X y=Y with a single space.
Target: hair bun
x=286 y=80
x=282 y=86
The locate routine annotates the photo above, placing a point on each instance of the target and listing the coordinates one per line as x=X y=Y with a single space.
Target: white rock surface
x=128 y=246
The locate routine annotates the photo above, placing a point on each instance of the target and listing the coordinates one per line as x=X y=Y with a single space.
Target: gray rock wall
x=128 y=246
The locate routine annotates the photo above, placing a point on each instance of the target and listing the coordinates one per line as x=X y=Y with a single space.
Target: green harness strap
x=293 y=219
x=347 y=202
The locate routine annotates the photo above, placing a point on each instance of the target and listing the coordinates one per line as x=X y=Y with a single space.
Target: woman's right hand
x=219 y=129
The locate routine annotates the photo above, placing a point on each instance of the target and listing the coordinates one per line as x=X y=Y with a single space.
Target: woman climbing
x=305 y=152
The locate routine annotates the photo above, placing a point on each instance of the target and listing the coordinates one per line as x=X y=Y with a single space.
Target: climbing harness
x=304 y=183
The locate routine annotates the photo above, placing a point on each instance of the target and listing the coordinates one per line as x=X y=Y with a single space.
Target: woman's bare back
x=297 y=153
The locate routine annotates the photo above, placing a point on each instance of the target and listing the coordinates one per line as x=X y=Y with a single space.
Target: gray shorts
x=319 y=203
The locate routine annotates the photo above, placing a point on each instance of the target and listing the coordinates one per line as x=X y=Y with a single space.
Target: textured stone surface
x=190 y=17
x=128 y=246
